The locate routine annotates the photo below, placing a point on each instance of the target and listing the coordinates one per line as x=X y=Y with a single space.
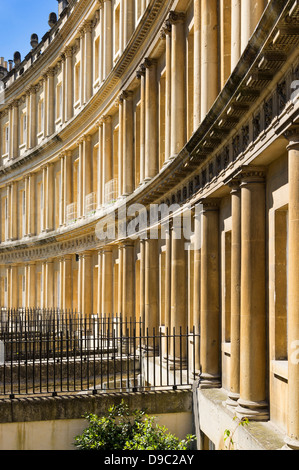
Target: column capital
x=148 y=62
x=127 y=95
x=210 y=204
x=252 y=174
x=292 y=135
x=176 y=17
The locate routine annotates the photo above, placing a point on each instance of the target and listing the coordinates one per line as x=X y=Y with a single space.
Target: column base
x=255 y=411
x=291 y=444
x=232 y=400
x=209 y=381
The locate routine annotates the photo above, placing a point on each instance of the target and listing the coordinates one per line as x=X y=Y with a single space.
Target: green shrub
x=122 y=429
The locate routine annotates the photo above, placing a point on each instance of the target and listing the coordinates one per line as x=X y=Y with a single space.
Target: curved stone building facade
x=150 y=167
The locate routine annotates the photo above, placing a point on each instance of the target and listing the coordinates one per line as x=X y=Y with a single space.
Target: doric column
x=235 y=32
x=178 y=127
x=50 y=198
x=107 y=61
x=142 y=281
x=128 y=289
x=107 y=153
x=141 y=77
x=86 y=169
x=67 y=186
x=234 y=392
x=197 y=64
x=50 y=102
x=49 y=284
x=151 y=286
x=129 y=6
x=107 y=282
x=80 y=201
x=209 y=55
x=209 y=296
x=59 y=299
x=86 y=284
x=120 y=281
x=31 y=285
x=14 y=211
x=252 y=401
x=197 y=283
x=120 y=145
x=82 y=67
x=67 y=283
x=15 y=129
x=32 y=131
x=293 y=296
x=100 y=192
x=68 y=83
x=128 y=144
x=88 y=60
x=151 y=125
x=251 y=12
x=179 y=315
x=13 y=286
x=31 y=205
x=168 y=41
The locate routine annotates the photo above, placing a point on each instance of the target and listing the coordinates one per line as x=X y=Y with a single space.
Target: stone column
x=49 y=284
x=235 y=32
x=14 y=211
x=50 y=102
x=251 y=12
x=129 y=6
x=128 y=281
x=62 y=181
x=107 y=153
x=141 y=77
x=67 y=283
x=32 y=131
x=197 y=64
x=31 y=285
x=82 y=67
x=151 y=124
x=209 y=296
x=234 y=392
x=50 y=198
x=197 y=284
x=120 y=145
x=69 y=110
x=15 y=129
x=107 y=61
x=120 y=281
x=31 y=205
x=107 y=282
x=142 y=282
x=13 y=287
x=100 y=165
x=80 y=181
x=178 y=105
x=88 y=61
x=252 y=402
x=209 y=55
x=151 y=287
x=67 y=186
x=178 y=348
x=292 y=440
x=128 y=144
x=86 y=284
x=86 y=170
x=167 y=31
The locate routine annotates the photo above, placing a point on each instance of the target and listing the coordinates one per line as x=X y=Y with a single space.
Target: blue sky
x=18 y=20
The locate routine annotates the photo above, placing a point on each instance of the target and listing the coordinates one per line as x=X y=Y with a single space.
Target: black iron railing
x=51 y=352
